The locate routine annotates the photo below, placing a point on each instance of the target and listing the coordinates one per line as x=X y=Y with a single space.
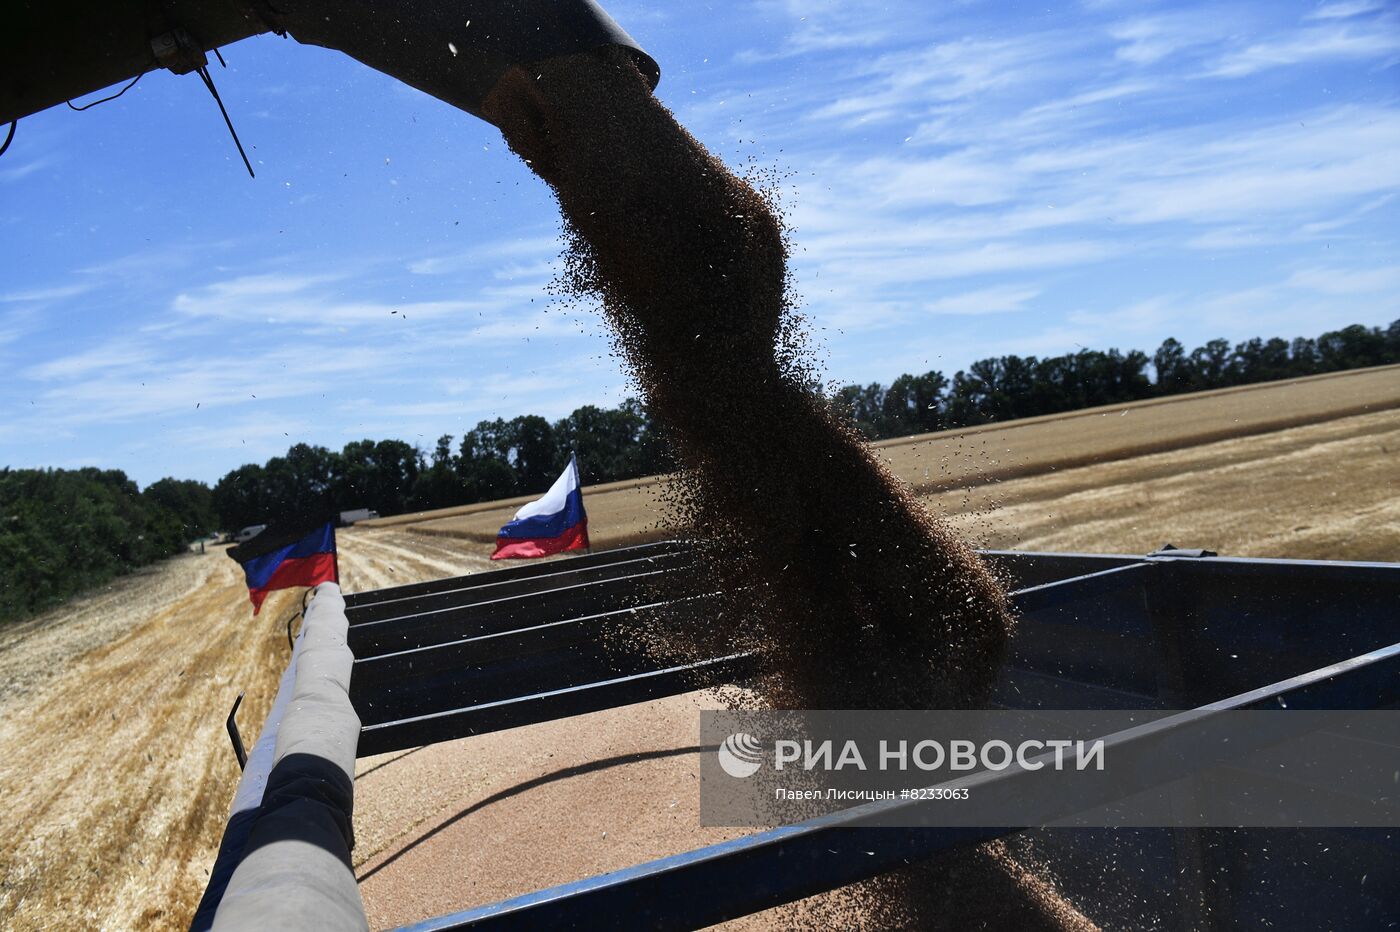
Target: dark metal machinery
x=451 y=658
x=53 y=51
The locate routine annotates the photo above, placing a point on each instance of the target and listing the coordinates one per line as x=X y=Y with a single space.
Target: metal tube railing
x=285 y=859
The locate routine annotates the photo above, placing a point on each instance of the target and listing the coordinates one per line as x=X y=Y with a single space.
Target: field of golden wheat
x=116 y=773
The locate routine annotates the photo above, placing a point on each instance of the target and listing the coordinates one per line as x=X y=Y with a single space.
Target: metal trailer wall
x=1172 y=630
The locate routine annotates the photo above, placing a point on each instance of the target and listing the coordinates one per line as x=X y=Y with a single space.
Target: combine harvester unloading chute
x=456 y=51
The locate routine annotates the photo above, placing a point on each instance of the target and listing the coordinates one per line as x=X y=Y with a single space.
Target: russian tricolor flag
x=551 y=524
x=286 y=559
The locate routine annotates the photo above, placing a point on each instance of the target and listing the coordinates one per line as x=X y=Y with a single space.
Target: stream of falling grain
x=852 y=594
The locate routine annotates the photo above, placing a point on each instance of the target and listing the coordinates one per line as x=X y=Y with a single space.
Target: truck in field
x=248 y=533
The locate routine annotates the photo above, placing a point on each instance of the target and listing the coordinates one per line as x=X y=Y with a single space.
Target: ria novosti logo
x=740 y=755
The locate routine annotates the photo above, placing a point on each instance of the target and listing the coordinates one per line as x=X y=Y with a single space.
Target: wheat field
x=116 y=774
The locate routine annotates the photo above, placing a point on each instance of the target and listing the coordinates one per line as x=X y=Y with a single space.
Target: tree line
x=496 y=459
x=62 y=531
x=1004 y=388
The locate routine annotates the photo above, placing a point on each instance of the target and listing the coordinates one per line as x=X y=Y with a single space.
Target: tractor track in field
x=375 y=559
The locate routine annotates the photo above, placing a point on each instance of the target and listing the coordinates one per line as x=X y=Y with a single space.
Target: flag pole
x=573 y=455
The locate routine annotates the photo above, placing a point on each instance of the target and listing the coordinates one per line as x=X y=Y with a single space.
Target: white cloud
x=520 y=248
x=1347 y=217
x=1001 y=299
x=1285 y=167
x=906 y=84
x=1314 y=44
x=257 y=436
x=1272 y=308
x=1347 y=281
x=824 y=26
x=49 y=294
x=525 y=326
x=1205 y=175
x=93 y=393
x=1345 y=9
x=1057 y=109
x=20 y=322
x=25 y=169
x=304 y=300
x=1147 y=40
x=116 y=356
x=438 y=265
x=1235 y=237
x=877 y=235
x=155 y=261
x=539 y=270
x=963 y=178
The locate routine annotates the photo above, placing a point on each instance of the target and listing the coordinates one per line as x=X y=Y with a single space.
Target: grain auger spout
x=455 y=50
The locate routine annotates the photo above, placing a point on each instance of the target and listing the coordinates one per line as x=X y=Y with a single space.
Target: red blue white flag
x=287 y=559
x=551 y=524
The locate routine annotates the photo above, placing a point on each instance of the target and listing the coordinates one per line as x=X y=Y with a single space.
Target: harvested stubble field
x=116 y=774
x=115 y=771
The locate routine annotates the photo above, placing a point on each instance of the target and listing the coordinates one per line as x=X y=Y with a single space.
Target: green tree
x=1212 y=365
x=189 y=503
x=484 y=461
x=914 y=404
x=1173 y=368
x=241 y=498
x=1303 y=355
x=1352 y=347
x=440 y=485
x=533 y=454
x=612 y=443
x=863 y=405
x=63 y=531
x=375 y=474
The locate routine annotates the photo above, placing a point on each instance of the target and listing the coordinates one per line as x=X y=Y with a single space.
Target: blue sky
x=964 y=179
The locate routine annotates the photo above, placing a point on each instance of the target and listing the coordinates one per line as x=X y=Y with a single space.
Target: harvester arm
x=455 y=50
